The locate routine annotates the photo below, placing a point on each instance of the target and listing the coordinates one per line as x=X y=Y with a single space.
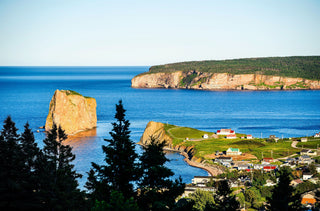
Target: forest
x=45 y=179
x=307 y=67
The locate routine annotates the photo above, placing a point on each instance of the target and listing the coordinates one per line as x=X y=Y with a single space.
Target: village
x=304 y=164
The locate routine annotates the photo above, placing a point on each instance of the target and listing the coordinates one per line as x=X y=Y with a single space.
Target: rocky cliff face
x=221 y=81
x=72 y=111
x=155 y=129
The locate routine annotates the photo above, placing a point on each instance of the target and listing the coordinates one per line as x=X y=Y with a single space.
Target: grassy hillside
x=205 y=147
x=298 y=67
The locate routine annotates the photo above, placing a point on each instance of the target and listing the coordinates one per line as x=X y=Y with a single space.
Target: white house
x=249 y=137
x=306 y=176
x=231 y=136
x=304 y=139
x=205 y=136
x=225 y=132
x=233 y=151
x=317 y=135
x=317 y=168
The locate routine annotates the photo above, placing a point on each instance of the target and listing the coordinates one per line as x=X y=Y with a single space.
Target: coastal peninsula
x=217 y=151
x=274 y=73
x=72 y=111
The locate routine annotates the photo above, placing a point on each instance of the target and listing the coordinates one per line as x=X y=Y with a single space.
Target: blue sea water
x=25 y=94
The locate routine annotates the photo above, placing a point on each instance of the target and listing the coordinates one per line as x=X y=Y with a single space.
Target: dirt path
x=294 y=144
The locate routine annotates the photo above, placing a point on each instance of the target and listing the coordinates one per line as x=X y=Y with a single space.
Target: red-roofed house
x=267 y=160
x=269 y=168
x=308 y=199
x=249 y=137
x=317 y=135
x=225 y=132
x=231 y=136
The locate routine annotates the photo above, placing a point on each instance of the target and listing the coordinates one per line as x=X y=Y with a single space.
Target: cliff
x=72 y=111
x=155 y=129
x=220 y=81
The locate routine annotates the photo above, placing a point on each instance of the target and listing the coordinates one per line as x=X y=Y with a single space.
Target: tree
x=121 y=168
x=282 y=195
x=203 y=200
x=57 y=180
x=157 y=190
x=13 y=171
x=223 y=198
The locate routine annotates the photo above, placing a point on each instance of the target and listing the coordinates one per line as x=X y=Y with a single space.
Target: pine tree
x=223 y=198
x=121 y=168
x=57 y=177
x=158 y=191
x=13 y=171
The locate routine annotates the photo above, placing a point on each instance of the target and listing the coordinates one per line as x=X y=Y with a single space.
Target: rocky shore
x=220 y=81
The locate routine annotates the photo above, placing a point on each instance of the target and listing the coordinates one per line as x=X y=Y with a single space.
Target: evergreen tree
x=158 y=191
x=57 y=178
x=13 y=171
x=223 y=198
x=282 y=195
x=121 y=168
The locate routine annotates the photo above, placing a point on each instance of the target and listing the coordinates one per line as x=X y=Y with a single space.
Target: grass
x=209 y=146
x=312 y=143
x=71 y=92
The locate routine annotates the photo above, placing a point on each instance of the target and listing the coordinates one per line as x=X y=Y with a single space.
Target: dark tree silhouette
x=121 y=168
x=157 y=190
x=223 y=198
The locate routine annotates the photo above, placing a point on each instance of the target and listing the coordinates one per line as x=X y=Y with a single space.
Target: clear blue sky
x=147 y=32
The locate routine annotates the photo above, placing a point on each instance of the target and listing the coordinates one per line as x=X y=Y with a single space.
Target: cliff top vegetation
x=307 y=67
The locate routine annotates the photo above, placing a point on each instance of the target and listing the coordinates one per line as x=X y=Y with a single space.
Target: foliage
x=121 y=168
x=202 y=200
x=298 y=66
x=158 y=192
x=224 y=199
x=116 y=203
x=305 y=187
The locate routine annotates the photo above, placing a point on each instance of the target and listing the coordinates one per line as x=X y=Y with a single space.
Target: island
x=224 y=149
x=272 y=73
x=72 y=111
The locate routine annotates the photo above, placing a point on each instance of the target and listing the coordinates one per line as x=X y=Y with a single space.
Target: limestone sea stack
x=155 y=129
x=72 y=111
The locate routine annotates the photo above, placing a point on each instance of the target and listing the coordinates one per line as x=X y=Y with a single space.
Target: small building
x=296 y=182
x=225 y=132
x=200 y=180
x=308 y=199
x=224 y=159
x=272 y=137
x=267 y=160
x=249 y=137
x=233 y=151
x=205 y=136
x=242 y=137
x=305 y=159
x=242 y=167
x=308 y=152
x=270 y=168
x=317 y=135
x=318 y=168
x=306 y=176
x=304 y=139
x=231 y=136
x=270 y=183
x=258 y=166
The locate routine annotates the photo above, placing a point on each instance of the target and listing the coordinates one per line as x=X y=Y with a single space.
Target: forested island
x=279 y=73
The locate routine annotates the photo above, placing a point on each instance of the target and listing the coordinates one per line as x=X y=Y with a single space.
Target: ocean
x=25 y=94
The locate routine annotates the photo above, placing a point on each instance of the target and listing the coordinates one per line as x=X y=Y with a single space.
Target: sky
x=147 y=32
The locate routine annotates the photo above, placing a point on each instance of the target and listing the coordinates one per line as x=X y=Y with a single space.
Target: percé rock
x=72 y=111
x=155 y=129
x=220 y=81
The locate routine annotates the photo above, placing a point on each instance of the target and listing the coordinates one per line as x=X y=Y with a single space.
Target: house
x=308 y=152
x=225 y=132
x=242 y=137
x=233 y=151
x=258 y=166
x=296 y=182
x=205 y=136
x=225 y=161
x=306 y=176
x=267 y=160
x=304 y=139
x=305 y=159
x=269 y=167
x=308 y=199
x=231 y=136
x=200 y=180
x=270 y=183
x=317 y=135
x=249 y=137
x=317 y=168
x=242 y=167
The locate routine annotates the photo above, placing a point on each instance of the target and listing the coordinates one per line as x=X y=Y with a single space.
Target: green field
x=312 y=143
x=297 y=66
x=209 y=146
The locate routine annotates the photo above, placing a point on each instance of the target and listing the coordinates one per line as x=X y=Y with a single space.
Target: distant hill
x=307 y=67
